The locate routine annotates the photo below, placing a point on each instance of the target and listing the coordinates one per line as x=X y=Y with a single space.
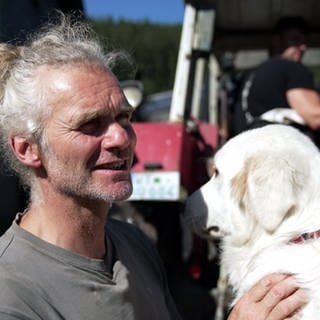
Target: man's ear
x=26 y=151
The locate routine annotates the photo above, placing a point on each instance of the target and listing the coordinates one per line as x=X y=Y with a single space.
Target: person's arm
x=307 y=104
x=275 y=297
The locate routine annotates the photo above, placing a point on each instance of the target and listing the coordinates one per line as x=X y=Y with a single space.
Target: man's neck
x=70 y=226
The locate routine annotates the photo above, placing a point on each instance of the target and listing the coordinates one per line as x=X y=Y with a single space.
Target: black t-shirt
x=272 y=80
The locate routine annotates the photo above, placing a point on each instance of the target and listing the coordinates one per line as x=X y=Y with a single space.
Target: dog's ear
x=270 y=185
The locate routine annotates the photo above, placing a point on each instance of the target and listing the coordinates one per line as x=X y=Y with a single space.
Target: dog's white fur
x=265 y=192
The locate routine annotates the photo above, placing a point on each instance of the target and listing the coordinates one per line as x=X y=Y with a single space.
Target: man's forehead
x=61 y=74
x=63 y=80
x=102 y=111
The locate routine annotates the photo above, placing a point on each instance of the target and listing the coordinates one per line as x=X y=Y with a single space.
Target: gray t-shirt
x=42 y=281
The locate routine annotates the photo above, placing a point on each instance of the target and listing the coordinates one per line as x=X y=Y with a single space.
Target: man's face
x=89 y=140
x=295 y=43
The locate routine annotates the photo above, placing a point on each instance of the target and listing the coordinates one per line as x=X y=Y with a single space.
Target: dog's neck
x=245 y=267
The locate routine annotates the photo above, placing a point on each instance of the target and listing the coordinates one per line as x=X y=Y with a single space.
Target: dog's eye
x=214 y=171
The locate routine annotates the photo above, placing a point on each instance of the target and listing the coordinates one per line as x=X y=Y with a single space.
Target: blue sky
x=158 y=11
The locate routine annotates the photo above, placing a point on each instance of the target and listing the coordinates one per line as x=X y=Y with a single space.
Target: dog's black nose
x=195 y=213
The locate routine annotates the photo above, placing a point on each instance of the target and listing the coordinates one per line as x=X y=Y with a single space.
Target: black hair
x=289 y=31
x=291 y=22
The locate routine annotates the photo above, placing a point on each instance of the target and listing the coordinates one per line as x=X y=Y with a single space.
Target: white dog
x=264 y=201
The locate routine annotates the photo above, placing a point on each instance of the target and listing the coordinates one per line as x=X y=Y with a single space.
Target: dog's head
x=258 y=182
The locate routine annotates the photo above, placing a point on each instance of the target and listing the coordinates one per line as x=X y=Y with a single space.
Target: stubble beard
x=74 y=181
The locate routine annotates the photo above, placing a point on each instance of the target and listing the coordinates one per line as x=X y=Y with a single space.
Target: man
x=66 y=131
x=282 y=88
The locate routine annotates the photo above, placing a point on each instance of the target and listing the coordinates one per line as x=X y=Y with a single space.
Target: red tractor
x=176 y=142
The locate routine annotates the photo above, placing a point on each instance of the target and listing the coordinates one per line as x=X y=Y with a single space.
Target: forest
x=153 y=48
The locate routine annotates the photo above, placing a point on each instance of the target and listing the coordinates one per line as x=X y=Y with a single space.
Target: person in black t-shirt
x=282 y=89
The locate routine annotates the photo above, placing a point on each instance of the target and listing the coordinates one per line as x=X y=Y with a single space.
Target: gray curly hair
x=23 y=108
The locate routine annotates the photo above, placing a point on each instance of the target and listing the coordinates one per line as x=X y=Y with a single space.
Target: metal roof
x=248 y=24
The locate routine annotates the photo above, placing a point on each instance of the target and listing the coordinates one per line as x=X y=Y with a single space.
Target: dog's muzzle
x=196 y=216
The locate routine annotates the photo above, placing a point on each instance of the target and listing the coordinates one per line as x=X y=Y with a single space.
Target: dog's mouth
x=213 y=229
x=212 y=232
x=215 y=232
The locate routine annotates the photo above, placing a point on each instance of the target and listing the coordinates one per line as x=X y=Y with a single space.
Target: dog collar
x=306 y=236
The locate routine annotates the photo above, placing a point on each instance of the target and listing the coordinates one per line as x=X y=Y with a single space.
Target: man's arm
x=275 y=297
x=307 y=104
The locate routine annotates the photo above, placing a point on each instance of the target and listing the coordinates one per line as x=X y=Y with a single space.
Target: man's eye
x=91 y=127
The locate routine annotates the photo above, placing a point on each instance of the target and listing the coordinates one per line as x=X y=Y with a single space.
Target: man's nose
x=119 y=136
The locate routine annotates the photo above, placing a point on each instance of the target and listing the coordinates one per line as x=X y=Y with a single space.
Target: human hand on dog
x=275 y=297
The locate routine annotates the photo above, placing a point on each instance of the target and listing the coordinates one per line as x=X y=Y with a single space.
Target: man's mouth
x=117 y=165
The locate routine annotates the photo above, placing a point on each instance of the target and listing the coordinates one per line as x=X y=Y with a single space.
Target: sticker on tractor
x=155 y=186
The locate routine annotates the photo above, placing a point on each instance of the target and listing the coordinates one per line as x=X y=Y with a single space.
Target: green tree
x=153 y=47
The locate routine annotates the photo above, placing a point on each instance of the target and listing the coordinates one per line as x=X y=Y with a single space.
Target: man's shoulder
x=279 y=68
x=13 y=286
x=278 y=62
x=17 y=294
x=5 y=244
x=10 y=279
x=12 y=271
